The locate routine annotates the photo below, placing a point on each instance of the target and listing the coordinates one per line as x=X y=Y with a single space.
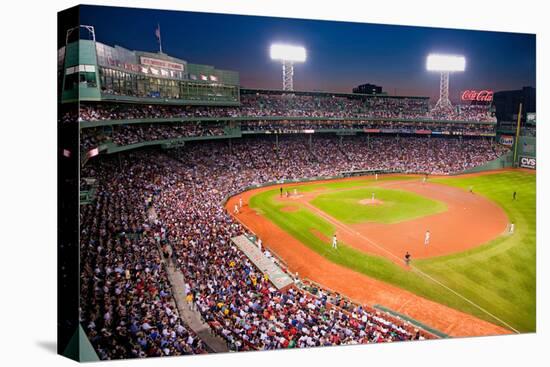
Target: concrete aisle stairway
x=191 y=316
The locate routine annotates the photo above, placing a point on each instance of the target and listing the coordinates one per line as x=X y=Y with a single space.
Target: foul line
x=343 y=226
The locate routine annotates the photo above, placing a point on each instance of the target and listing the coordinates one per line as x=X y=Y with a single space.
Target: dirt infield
x=462 y=226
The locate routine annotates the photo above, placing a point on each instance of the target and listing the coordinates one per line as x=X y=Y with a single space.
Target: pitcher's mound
x=371 y=202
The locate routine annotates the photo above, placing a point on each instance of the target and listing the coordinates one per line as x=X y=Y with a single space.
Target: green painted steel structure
x=92 y=71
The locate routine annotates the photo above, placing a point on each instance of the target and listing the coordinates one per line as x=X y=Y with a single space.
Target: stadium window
x=88 y=79
x=71 y=81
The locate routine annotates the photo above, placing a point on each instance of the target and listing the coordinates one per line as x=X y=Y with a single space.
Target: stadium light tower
x=288 y=55
x=445 y=64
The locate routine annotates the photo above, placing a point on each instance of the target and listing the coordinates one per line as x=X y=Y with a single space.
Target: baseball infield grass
x=398 y=205
x=499 y=276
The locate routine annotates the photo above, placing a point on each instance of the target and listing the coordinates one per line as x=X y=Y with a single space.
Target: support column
x=444 y=103
x=288 y=76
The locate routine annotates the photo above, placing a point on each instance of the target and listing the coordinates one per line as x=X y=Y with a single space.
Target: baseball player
x=260 y=243
x=376 y=176
x=372 y=196
x=471 y=189
x=407 y=258
x=236 y=209
x=240 y=202
x=334 y=242
x=512 y=227
x=514 y=196
x=427 y=238
x=424 y=179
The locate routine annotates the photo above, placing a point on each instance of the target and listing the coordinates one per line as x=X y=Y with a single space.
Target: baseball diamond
x=466 y=232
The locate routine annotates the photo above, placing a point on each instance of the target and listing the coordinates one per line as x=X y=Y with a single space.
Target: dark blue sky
x=340 y=55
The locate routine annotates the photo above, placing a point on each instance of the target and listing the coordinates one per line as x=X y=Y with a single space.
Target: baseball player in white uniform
x=372 y=196
x=376 y=176
x=512 y=227
x=240 y=202
x=260 y=243
x=236 y=209
x=427 y=238
x=334 y=242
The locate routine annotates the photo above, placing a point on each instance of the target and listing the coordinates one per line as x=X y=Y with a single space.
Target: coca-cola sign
x=475 y=95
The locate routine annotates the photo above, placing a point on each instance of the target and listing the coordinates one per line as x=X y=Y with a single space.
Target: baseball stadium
x=216 y=217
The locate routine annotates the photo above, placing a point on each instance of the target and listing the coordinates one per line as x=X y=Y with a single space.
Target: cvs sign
x=528 y=162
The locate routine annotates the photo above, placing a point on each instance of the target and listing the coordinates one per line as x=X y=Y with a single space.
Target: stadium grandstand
x=164 y=143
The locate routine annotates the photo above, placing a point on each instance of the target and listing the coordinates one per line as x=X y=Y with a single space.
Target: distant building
x=507 y=104
x=368 y=89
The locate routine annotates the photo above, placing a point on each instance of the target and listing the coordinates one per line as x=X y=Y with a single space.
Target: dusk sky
x=339 y=55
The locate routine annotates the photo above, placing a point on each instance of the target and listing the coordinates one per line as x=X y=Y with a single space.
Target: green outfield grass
x=498 y=276
x=398 y=205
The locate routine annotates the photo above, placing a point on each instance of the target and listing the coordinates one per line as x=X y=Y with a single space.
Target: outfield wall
x=526 y=152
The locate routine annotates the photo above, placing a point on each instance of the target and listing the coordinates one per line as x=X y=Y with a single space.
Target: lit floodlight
x=288 y=55
x=445 y=64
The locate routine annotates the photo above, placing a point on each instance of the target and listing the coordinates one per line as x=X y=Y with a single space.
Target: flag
x=213 y=78
x=157 y=32
x=204 y=77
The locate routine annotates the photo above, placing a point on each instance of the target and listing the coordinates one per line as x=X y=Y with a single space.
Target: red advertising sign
x=423 y=132
x=475 y=95
x=507 y=140
x=161 y=63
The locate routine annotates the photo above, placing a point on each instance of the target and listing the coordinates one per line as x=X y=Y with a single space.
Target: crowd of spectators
x=441 y=155
x=231 y=294
x=332 y=106
x=137 y=133
x=127 y=307
x=256 y=106
x=272 y=105
x=397 y=126
x=465 y=113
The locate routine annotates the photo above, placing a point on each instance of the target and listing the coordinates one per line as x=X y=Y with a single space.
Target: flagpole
x=160 y=38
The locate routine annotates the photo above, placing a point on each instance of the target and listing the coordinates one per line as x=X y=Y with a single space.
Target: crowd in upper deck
x=271 y=105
